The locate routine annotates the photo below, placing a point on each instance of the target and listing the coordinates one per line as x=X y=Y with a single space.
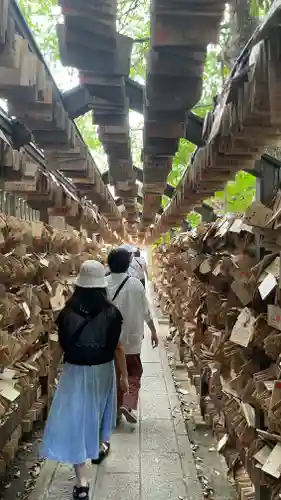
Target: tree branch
x=133 y=6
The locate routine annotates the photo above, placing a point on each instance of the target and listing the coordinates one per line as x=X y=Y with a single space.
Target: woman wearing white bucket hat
x=83 y=413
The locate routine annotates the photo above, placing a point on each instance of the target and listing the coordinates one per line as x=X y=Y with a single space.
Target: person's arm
x=150 y=323
x=154 y=336
x=146 y=270
x=144 y=266
x=119 y=354
x=122 y=365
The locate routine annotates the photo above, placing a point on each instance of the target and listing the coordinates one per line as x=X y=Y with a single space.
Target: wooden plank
x=20 y=186
x=25 y=401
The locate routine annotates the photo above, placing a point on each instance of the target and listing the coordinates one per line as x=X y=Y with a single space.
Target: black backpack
x=89 y=340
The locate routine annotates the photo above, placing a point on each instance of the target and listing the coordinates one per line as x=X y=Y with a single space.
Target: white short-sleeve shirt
x=133 y=305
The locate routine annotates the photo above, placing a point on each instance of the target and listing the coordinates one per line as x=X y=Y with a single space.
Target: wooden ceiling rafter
x=180 y=33
x=246 y=120
x=33 y=97
x=88 y=41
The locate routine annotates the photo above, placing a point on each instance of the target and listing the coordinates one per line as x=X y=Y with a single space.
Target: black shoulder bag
x=90 y=341
x=120 y=288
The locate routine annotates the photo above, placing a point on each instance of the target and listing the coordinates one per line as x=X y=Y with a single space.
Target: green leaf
x=255 y=7
x=238 y=194
x=194 y=219
x=260 y=7
x=180 y=162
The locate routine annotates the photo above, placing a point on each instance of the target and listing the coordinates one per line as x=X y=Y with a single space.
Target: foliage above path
x=260 y=7
x=42 y=17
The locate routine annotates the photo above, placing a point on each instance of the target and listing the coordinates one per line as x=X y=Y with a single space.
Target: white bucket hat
x=92 y=275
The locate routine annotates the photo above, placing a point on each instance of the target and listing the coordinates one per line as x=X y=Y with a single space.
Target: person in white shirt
x=133 y=269
x=141 y=266
x=128 y=295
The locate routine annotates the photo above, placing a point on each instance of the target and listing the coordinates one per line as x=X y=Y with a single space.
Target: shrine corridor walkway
x=150 y=461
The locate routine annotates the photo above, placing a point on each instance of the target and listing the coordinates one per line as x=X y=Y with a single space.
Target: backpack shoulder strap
x=120 y=288
x=138 y=262
x=78 y=331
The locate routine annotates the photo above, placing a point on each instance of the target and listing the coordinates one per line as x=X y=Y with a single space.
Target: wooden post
x=6 y=203
x=172 y=232
x=267 y=186
x=207 y=213
x=44 y=216
x=12 y=204
x=2 y=201
x=25 y=211
x=22 y=214
x=185 y=226
x=17 y=209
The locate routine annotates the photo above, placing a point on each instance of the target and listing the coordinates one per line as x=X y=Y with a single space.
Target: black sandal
x=81 y=493
x=102 y=455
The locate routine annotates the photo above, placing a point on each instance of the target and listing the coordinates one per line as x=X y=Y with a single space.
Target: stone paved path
x=151 y=461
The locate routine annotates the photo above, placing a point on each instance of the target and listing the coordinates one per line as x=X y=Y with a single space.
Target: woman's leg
x=81 y=474
x=104 y=443
x=119 y=390
x=108 y=413
x=81 y=490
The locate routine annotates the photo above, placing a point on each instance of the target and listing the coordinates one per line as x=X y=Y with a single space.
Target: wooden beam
x=77 y=102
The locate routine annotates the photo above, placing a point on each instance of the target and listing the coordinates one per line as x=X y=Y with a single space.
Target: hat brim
x=85 y=282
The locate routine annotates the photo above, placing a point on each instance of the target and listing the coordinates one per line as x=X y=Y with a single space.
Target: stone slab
x=188 y=466
x=152 y=369
x=158 y=436
x=116 y=487
x=150 y=355
x=155 y=406
x=124 y=455
x=158 y=489
x=153 y=384
x=164 y=465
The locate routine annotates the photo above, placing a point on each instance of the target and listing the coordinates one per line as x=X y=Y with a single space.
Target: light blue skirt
x=82 y=414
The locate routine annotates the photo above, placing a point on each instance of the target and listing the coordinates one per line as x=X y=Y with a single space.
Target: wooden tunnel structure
x=172 y=52
x=55 y=172
x=62 y=177
x=106 y=89
x=60 y=166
